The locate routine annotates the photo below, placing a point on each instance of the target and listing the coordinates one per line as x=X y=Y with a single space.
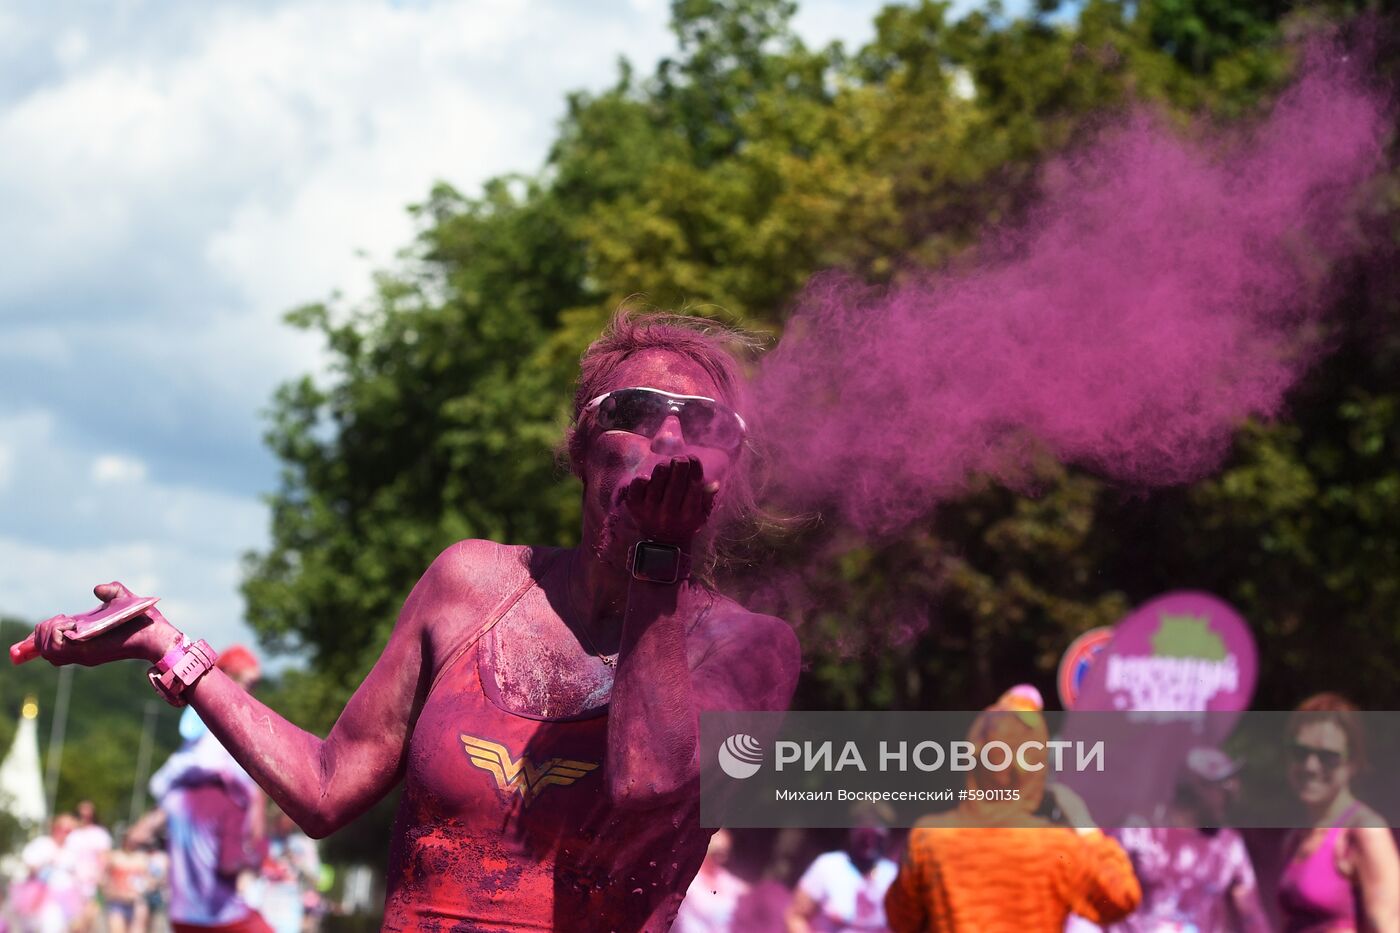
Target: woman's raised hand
x=146 y=637
x=673 y=503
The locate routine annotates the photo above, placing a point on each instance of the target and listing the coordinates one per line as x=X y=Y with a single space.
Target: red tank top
x=505 y=822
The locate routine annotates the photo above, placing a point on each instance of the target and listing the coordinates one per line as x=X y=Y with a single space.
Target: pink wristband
x=181 y=667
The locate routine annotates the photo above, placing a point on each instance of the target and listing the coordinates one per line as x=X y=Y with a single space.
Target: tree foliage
x=106 y=715
x=719 y=184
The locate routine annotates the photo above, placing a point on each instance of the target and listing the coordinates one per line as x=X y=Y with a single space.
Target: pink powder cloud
x=1162 y=291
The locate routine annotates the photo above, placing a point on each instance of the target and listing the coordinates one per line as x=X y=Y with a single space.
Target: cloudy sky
x=175 y=176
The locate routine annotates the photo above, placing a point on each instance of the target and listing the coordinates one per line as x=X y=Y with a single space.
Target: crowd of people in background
x=1182 y=871
x=209 y=856
x=212 y=855
x=76 y=879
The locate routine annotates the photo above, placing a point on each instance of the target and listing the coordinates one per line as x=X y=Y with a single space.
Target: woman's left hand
x=673 y=503
x=147 y=637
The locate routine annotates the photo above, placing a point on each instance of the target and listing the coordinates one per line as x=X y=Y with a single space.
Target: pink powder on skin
x=1162 y=291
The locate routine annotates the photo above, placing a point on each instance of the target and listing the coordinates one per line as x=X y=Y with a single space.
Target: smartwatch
x=181 y=667
x=654 y=562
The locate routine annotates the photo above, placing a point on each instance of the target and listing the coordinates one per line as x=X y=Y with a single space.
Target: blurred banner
x=1010 y=768
x=1183 y=651
x=1077 y=659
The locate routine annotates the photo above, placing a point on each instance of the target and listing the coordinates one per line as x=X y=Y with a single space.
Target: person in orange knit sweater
x=992 y=866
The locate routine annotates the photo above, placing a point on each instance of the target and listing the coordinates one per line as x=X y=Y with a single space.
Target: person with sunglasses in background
x=1344 y=874
x=540 y=704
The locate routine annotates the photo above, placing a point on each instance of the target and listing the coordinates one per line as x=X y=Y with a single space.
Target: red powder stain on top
x=1161 y=292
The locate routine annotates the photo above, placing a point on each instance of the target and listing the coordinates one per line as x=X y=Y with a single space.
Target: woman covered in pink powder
x=540 y=704
x=1343 y=875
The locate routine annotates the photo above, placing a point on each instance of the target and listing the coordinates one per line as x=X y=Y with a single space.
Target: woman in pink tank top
x=1344 y=874
x=542 y=705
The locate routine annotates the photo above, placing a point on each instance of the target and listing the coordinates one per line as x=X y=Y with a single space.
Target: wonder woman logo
x=519 y=774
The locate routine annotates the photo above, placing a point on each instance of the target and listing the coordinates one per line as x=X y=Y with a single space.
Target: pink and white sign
x=1171 y=659
x=1182 y=652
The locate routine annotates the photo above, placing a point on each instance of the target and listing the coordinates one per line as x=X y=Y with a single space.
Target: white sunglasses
x=642 y=410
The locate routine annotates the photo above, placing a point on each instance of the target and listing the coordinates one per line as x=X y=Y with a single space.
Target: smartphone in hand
x=90 y=624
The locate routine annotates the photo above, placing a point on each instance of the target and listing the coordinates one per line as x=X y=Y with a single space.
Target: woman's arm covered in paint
x=321 y=784
x=652 y=725
x=1378 y=873
x=654 y=714
x=653 y=718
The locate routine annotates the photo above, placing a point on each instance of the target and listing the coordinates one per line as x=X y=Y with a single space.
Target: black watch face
x=656 y=562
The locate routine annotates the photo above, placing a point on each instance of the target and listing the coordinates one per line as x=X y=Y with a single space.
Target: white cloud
x=21 y=434
x=169 y=198
x=38 y=582
x=70 y=519
x=175 y=177
x=115 y=469
x=822 y=21
x=61 y=493
x=71 y=48
x=274 y=144
x=46 y=345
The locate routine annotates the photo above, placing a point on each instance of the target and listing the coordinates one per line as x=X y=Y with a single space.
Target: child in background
x=123 y=888
x=289 y=872
x=212 y=815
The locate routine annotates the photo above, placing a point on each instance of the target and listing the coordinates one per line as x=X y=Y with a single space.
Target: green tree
x=106 y=714
x=720 y=183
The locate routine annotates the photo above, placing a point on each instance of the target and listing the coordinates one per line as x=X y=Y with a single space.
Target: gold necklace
x=609 y=660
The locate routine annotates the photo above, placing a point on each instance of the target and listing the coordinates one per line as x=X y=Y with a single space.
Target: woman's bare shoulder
x=473 y=562
x=1365 y=816
x=729 y=623
x=757 y=655
x=459 y=589
x=478 y=555
x=1368 y=840
x=1367 y=831
x=468 y=573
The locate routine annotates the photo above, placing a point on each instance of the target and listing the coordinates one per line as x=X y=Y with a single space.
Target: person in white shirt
x=48 y=901
x=713 y=896
x=90 y=844
x=844 y=891
x=290 y=872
